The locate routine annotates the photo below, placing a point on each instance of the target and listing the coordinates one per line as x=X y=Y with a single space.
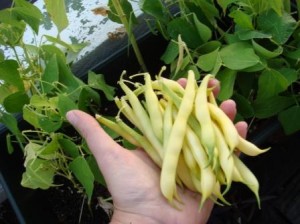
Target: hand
x=133 y=179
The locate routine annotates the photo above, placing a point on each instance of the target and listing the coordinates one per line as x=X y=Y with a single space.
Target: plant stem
x=130 y=34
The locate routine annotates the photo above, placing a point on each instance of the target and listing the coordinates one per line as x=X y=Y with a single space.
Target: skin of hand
x=133 y=179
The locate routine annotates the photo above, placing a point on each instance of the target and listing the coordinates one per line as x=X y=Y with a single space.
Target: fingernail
x=71 y=116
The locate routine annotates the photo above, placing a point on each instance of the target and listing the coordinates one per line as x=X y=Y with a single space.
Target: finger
x=242 y=128
x=103 y=147
x=182 y=82
x=213 y=83
x=229 y=108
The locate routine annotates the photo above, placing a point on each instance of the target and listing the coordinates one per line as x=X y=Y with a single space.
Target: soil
x=68 y=205
x=7 y=215
x=71 y=206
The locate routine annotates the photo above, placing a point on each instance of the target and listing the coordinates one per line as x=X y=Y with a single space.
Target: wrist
x=121 y=217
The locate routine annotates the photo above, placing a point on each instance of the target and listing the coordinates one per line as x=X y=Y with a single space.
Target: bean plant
x=37 y=89
x=252 y=46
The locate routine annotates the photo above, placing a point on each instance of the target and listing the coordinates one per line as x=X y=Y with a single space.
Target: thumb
x=104 y=148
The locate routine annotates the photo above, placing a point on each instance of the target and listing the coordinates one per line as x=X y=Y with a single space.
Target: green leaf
x=88 y=97
x=154 y=8
x=2 y=57
x=270 y=83
x=47 y=52
x=39 y=174
x=50 y=75
x=49 y=150
x=9 y=146
x=203 y=31
x=127 y=9
x=245 y=34
x=280 y=27
x=97 y=81
x=10 y=75
x=242 y=19
x=11 y=123
x=227 y=80
x=238 y=56
x=29 y=13
x=11 y=30
x=50 y=122
x=65 y=104
x=209 y=47
x=225 y=3
x=187 y=30
x=209 y=10
x=170 y=53
x=83 y=173
x=243 y=105
x=4 y=92
x=289 y=119
x=295 y=54
x=48 y=119
x=290 y=74
x=262 y=49
x=14 y=102
x=264 y=108
x=95 y=169
x=31 y=116
x=42 y=102
x=69 y=147
x=75 y=48
x=66 y=76
x=57 y=11
x=209 y=62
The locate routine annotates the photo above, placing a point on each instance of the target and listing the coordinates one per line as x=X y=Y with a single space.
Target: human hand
x=133 y=179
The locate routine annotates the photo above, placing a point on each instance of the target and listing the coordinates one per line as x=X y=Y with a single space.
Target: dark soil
x=68 y=205
x=7 y=215
x=71 y=206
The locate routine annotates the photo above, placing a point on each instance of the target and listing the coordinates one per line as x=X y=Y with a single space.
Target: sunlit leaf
x=39 y=174
x=10 y=74
x=97 y=81
x=29 y=13
x=57 y=12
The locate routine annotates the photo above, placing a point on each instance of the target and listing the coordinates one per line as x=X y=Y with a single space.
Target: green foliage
x=252 y=46
x=40 y=86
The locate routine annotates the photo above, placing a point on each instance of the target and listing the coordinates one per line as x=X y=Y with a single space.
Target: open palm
x=133 y=179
